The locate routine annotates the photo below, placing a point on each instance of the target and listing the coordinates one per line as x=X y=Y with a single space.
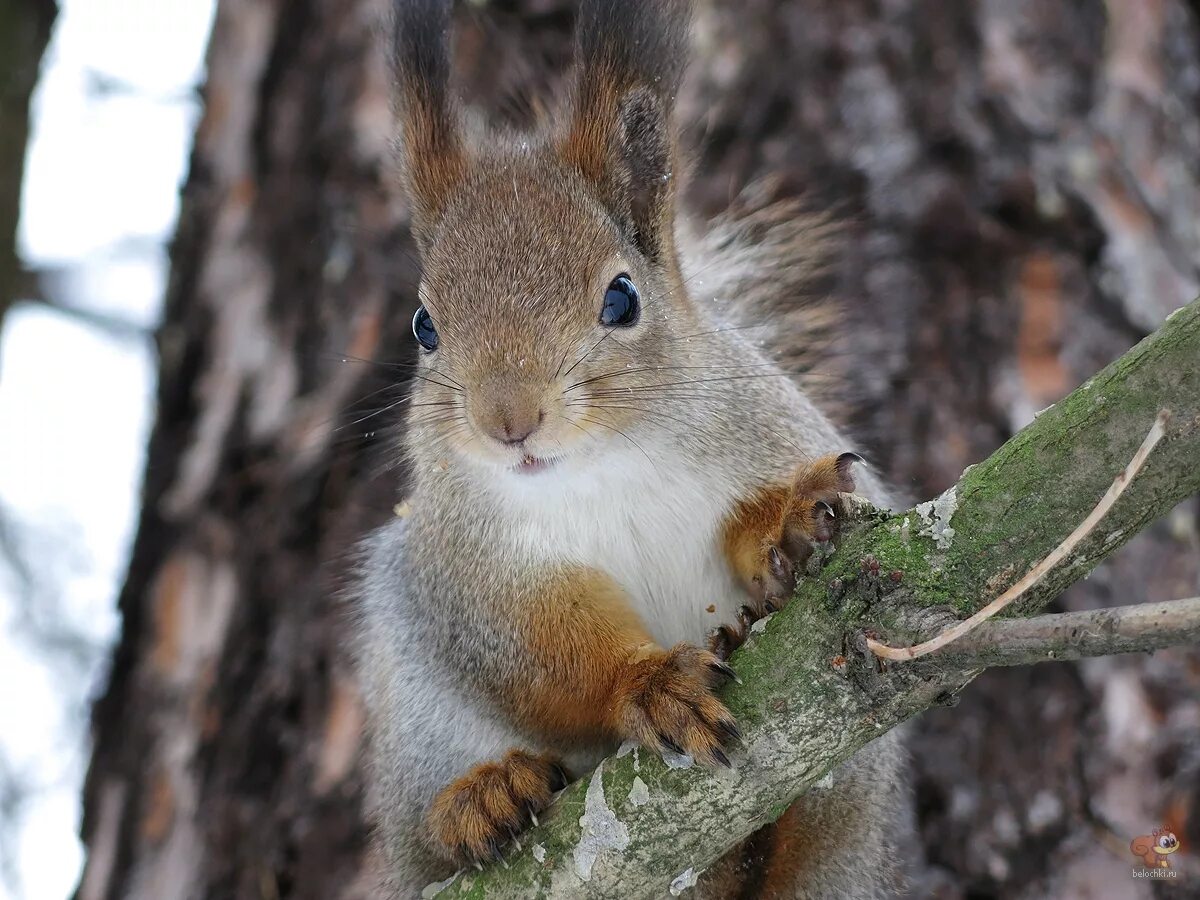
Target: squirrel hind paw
x=473 y=818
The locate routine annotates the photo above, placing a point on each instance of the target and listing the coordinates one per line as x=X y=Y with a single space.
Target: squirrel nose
x=511 y=427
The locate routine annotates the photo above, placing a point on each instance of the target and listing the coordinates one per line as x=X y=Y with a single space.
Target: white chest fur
x=654 y=529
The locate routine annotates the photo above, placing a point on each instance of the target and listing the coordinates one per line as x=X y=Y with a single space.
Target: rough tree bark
x=1020 y=181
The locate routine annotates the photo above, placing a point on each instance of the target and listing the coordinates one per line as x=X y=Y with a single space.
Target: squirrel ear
x=621 y=136
x=431 y=139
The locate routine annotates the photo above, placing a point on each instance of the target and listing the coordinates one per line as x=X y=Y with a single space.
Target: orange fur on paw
x=474 y=817
x=770 y=536
x=666 y=701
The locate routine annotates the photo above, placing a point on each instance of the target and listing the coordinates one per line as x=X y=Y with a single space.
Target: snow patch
x=602 y=830
x=936 y=515
x=539 y=852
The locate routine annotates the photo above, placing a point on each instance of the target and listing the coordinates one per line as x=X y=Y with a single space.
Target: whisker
x=371 y=415
x=652 y=412
x=410 y=368
x=718 y=331
x=623 y=434
x=618 y=372
x=570 y=421
x=387 y=387
x=630 y=394
x=707 y=380
x=607 y=335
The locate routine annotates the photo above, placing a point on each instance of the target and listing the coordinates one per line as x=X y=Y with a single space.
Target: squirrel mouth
x=531 y=464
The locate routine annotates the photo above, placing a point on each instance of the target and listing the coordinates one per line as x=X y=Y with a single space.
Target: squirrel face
x=551 y=295
x=547 y=327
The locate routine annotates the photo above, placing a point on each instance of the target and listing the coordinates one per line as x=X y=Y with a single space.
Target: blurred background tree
x=24 y=32
x=1019 y=183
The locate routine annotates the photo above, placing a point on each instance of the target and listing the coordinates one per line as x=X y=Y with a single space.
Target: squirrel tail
x=769 y=263
x=1143 y=846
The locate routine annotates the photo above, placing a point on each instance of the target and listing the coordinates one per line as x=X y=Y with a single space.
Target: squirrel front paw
x=773 y=536
x=474 y=817
x=667 y=702
x=811 y=515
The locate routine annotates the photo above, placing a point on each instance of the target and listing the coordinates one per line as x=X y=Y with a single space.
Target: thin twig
x=1042 y=569
x=1139 y=628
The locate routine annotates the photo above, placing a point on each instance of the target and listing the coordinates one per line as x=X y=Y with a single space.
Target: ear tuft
x=631 y=55
x=430 y=130
x=648 y=146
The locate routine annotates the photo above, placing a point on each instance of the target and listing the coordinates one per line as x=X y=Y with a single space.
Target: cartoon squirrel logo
x=1155 y=849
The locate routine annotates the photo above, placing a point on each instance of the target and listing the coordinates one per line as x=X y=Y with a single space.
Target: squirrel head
x=551 y=294
x=1165 y=840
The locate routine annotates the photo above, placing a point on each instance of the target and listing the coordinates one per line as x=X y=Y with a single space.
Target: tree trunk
x=1019 y=182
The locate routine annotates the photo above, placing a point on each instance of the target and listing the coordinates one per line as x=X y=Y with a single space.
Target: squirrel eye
x=424 y=331
x=621 y=304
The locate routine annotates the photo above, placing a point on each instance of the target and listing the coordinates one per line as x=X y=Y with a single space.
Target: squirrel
x=609 y=481
x=1155 y=849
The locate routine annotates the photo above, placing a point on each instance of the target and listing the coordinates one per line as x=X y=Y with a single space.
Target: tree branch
x=1140 y=628
x=811 y=694
x=1046 y=566
x=49 y=288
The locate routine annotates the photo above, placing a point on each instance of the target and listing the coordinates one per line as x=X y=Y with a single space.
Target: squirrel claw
x=723 y=640
x=729 y=731
x=559 y=778
x=722 y=669
x=824 y=522
x=783 y=574
x=670 y=745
